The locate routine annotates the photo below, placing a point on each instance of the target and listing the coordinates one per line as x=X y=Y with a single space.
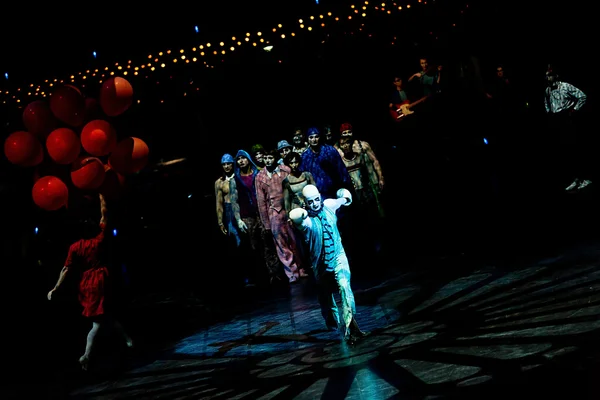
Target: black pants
x=572 y=147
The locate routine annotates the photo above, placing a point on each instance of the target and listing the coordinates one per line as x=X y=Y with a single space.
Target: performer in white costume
x=318 y=225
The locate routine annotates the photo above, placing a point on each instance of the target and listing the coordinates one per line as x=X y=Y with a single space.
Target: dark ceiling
x=51 y=37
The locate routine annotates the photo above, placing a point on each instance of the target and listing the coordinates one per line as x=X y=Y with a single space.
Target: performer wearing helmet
x=318 y=225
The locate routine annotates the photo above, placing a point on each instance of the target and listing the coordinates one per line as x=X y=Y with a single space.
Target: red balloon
x=68 y=105
x=38 y=119
x=130 y=155
x=87 y=173
x=23 y=149
x=113 y=184
x=116 y=96
x=98 y=137
x=63 y=145
x=50 y=193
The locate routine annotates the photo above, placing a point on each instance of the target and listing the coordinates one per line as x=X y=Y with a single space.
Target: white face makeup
x=314 y=203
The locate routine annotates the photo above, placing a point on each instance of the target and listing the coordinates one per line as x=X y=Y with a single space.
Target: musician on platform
x=429 y=78
x=399 y=95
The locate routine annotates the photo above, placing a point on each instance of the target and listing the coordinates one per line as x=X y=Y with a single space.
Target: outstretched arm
x=299 y=217
x=61 y=278
x=344 y=198
x=64 y=271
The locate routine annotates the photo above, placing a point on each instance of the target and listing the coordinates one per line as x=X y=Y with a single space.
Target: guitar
x=403 y=109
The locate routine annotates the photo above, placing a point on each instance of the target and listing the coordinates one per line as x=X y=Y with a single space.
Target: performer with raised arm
x=88 y=257
x=318 y=225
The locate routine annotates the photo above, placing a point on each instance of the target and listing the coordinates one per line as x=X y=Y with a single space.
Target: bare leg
x=91 y=337
x=123 y=333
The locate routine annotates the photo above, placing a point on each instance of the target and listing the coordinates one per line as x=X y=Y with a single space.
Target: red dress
x=84 y=256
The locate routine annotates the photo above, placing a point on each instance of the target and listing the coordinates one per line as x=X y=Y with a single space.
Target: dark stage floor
x=447 y=327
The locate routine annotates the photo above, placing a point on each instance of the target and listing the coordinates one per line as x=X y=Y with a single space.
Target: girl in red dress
x=88 y=256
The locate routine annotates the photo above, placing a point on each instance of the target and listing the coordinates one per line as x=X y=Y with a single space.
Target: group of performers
x=284 y=202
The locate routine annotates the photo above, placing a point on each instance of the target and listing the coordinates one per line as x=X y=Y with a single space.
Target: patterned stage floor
x=482 y=330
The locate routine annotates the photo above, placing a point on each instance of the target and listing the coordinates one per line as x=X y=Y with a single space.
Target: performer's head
x=346 y=129
x=313 y=135
x=298 y=138
x=551 y=75
x=270 y=159
x=329 y=134
x=227 y=162
x=346 y=145
x=293 y=161
x=258 y=151
x=284 y=148
x=314 y=203
x=243 y=161
x=398 y=82
x=500 y=71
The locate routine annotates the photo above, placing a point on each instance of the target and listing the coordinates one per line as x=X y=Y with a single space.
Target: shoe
x=583 y=184
x=355 y=330
x=575 y=184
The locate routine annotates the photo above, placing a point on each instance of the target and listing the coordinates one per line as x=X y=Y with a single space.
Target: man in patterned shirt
x=563 y=102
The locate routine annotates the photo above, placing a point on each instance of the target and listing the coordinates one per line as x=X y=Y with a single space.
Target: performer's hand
x=297 y=215
x=50 y=293
x=381 y=183
x=242 y=226
x=345 y=193
x=223 y=229
x=439 y=68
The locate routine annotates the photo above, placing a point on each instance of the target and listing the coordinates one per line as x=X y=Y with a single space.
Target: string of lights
x=206 y=53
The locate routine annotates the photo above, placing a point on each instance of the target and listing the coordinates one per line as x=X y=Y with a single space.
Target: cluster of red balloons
x=74 y=134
